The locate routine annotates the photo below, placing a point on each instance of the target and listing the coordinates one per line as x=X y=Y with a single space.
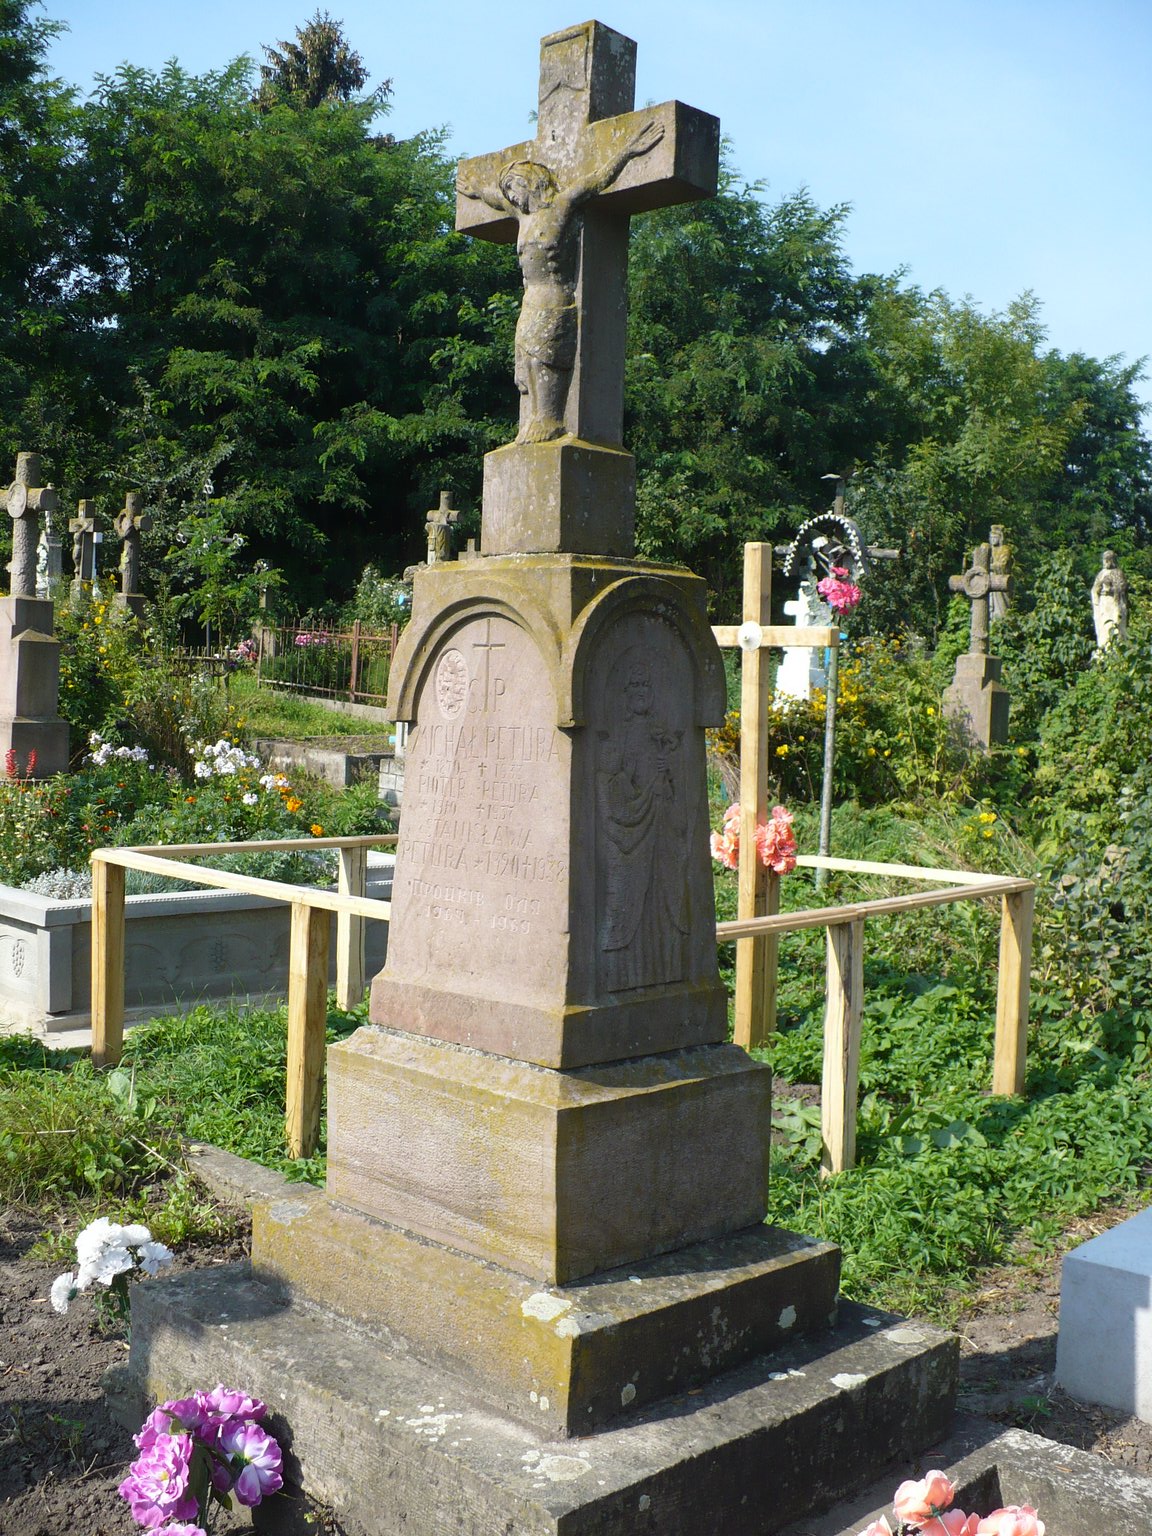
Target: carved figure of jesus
x=548 y=249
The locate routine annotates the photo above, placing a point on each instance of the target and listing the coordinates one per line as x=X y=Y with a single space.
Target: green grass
x=266 y=712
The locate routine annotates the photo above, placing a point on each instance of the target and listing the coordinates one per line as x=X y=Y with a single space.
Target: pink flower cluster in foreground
x=925 y=1506
x=838 y=592
x=775 y=841
x=219 y=1429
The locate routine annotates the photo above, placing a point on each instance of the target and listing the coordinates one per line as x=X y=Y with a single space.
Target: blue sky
x=987 y=146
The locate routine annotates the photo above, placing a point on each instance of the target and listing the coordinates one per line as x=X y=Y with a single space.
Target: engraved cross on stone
x=566 y=198
x=25 y=499
x=486 y=647
x=975 y=584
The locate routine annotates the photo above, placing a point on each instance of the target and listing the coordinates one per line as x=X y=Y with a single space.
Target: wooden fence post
x=107 y=962
x=1016 y=913
x=350 y=930
x=756 y=957
x=842 y=1013
x=307 y=1017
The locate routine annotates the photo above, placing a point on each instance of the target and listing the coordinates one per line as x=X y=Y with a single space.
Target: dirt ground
x=62 y=1456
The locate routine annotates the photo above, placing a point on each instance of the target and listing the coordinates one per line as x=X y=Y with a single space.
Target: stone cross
x=26 y=498
x=976 y=583
x=83 y=530
x=131 y=522
x=440 y=522
x=565 y=198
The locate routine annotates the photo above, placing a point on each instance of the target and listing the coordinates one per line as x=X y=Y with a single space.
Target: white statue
x=1110 y=602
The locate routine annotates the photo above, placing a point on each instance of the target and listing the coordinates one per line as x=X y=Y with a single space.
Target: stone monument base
x=130 y=602
x=30 y=687
x=393 y=1444
x=978 y=701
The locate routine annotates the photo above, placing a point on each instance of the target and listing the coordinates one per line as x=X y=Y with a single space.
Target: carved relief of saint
x=548 y=248
x=644 y=824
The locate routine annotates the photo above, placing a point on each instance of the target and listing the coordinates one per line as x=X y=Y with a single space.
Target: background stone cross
x=25 y=499
x=131 y=522
x=976 y=583
x=82 y=527
x=590 y=148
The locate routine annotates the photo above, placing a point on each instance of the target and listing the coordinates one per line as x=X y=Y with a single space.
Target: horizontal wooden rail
x=248 y=885
x=844 y=1004
x=827 y=917
x=777 y=636
x=308 y=955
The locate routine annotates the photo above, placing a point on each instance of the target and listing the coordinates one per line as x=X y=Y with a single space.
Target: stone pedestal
x=1104 y=1349
x=30 y=686
x=544 y=498
x=978 y=701
x=132 y=602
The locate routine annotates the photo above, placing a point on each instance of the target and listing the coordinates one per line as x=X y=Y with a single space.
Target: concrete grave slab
x=1104 y=1347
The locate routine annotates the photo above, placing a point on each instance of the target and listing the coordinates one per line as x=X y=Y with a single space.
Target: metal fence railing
x=307 y=657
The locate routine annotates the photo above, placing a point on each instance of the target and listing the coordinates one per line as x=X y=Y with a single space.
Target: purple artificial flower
x=222 y=1402
x=156 y=1487
x=259 y=1457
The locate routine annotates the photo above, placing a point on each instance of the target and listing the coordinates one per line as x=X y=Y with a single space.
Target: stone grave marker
x=547 y=1168
x=441 y=523
x=976 y=698
x=131 y=522
x=82 y=527
x=29 y=653
x=49 y=555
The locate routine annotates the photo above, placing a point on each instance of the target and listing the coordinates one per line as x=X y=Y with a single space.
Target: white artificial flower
x=154 y=1257
x=135 y=1235
x=97 y=1236
x=112 y=1262
x=64 y=1287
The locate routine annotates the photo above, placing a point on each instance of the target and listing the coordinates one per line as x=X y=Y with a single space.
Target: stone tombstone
x=829 y=539
x=441 y=522
x=29 y=653
x=132 y=521
x=976 y=699
x=82 y=527
x=547 y=1168
x=49 y=555
x=1110 y=602
x=1003 y=556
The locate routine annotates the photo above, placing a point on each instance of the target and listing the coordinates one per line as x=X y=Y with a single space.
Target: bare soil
x=62 y=1455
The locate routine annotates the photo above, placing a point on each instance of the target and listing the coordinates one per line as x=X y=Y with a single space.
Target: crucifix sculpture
x=566 y=198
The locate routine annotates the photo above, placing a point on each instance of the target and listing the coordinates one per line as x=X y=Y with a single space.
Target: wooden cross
x=566 y=197
x=758 y=892
x=25 y=499
x=975 y=584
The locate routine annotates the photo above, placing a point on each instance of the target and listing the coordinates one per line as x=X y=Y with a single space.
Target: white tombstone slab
x=1104 y=1348
x=802 y=668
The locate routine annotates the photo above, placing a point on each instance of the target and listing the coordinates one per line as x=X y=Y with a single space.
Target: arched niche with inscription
x=481 y=884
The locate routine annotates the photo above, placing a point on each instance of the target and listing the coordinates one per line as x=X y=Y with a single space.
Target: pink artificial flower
x=223 y=1402
x=838 y=592
x=726 y=844
x=182 y=1529
x=877 y=1528
x=156 y=1487
x=259 y=1459
x=917 y=1502
x=954 y=1522
x=776 y=842
x=1014 y=1520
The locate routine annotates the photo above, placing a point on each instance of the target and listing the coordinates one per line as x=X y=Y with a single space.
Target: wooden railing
x=308 y=963
x=307 y=960
x=845 y=978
